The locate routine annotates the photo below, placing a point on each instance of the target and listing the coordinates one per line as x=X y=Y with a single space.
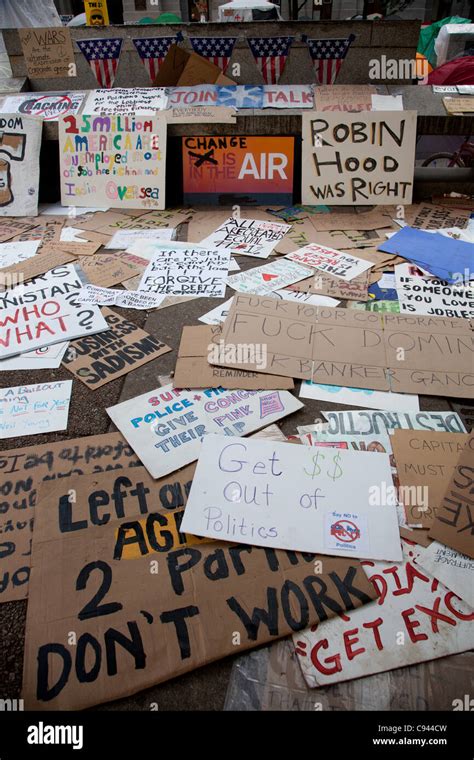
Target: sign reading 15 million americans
x=114 y=161
x=358 y=158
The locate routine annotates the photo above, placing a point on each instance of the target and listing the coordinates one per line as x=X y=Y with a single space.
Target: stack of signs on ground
x=165 y=426
x=298 y=498
x=187 y=272
x=150 y=630
x=358 y=349
x=96 y=360
x=250 y=237
x=95 y=153
x=20 y=142
x=46 y=311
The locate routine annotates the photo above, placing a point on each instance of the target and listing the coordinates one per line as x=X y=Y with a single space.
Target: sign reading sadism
x=117 y=161
x=238 y=168
x=358 y=158
x=165 y=426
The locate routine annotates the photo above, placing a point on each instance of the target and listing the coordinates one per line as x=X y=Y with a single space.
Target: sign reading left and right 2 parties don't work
x=113 y=160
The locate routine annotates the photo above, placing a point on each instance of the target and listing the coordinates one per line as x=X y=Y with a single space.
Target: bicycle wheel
x=443 y=160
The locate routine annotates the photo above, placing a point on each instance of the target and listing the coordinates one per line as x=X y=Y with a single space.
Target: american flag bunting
x=152 y=51
x=218 y=50
x=328 y=56
x=102 y=56
x=270 y=55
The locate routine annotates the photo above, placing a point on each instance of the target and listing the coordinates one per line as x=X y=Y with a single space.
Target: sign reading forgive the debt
x=360 y=158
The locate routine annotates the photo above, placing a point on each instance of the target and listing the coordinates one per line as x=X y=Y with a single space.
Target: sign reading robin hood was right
x=358 y=158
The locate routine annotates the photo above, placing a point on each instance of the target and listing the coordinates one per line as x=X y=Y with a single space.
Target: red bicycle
x=463 y=157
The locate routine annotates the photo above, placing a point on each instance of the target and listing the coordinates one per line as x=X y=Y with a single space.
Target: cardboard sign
x=425 y=463
x=97 y=154
x=44 y=312
x=238 y=168
x=433 y=621
x=47 y=106
x=157 y=625
x=48 y=53
x=187 y=272
x=114 y=297
x=351 y=290
x=20 y=142
x=120 y=349
x=193 y=368
x=10 y=228
x=335 y=394
x=453 y=523
x=125 y=238
x=250 y=237
x=297 y=497
x=367 y=422
x=184 y=68
x=336 y=263
x=431 y=217
x=40 y=264
x=106 y=270
x=274 y=276
x=358 y=160
x=125 y=100
x=430 y=296
x=34 y=409
x=344 y=97
x=17 y=252
x=454 y=570
x=165 y=427
x=343 y=347
x=363 y=222
x=459 y=105
x=22 y=471
x=201 y=115
x=86 y=248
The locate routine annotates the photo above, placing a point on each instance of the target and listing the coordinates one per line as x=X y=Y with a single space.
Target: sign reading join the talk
x=358 y=158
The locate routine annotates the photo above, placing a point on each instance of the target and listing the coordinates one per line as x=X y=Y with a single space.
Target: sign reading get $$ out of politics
x=117 y=160
x=259 y=168
x=358 y=158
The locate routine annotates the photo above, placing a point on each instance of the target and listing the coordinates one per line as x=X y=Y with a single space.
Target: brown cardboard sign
x=459 y=105
x=194 y=371
x=78 y=249
x=99 y=359
x=425 y=463
x=182 y=68
x=407 y=354
x=10 y=228
x=21 y=472
x=344 y=97
x=39 y=264
x=143 y=621
x=48 y=52
x=46 y=229
x=425 y=216
x=325 y=284
x=336 y=220
x=107 y=270
x=94 y=222
x=454 y=523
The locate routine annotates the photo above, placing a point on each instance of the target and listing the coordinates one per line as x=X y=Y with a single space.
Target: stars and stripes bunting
x=152 y=51
x=270 y=54
x=328 y=56
x=218 y=50
x=102 y=56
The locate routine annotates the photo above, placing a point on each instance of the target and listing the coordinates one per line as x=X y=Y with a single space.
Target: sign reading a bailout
x=238 y=168
x=358 y=158
x=113 y=160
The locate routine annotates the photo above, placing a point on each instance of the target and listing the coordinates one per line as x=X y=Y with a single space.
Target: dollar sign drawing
x=316 y=467
x=337 y=467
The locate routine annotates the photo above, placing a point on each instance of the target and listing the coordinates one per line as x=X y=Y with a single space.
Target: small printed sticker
x=347 y=531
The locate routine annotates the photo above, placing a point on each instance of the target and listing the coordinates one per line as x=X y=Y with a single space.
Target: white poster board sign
x=113 y=160
x=187 y=272
x=339 y=264
x=125 y=100
x=165 y=426
x=293 y=497
x=358 y=158
x=34 y=409
x=250 y=237
x=20 y=143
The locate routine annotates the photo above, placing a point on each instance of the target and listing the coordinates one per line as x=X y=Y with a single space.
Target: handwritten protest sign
x=165 y=426
x=292 y=497
x=108 y=269
x=351 y=290
x=367 y=422
x=47 y=52
x=34 y=409
x=246 y=169
x=453 y=525
x=430 y=621
x=187 y=272
x=17 y=252
x=111 y=354
x=10 y=228
x=432 y=217
x=162 y=623
x=125 y=100
x=48 y=106
x=21 y=472
x=361 y=349
x=337 y=394
x=336 y=263
x=44 y=312
x=193 y=369
x=20 y=142
x=344 y=97
x=430 y=296
x=453 y=569
x=125 y=238
x=274 y=276
x=250 y=237
x=114 y=297
x=358 y=159
x=97 y=156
